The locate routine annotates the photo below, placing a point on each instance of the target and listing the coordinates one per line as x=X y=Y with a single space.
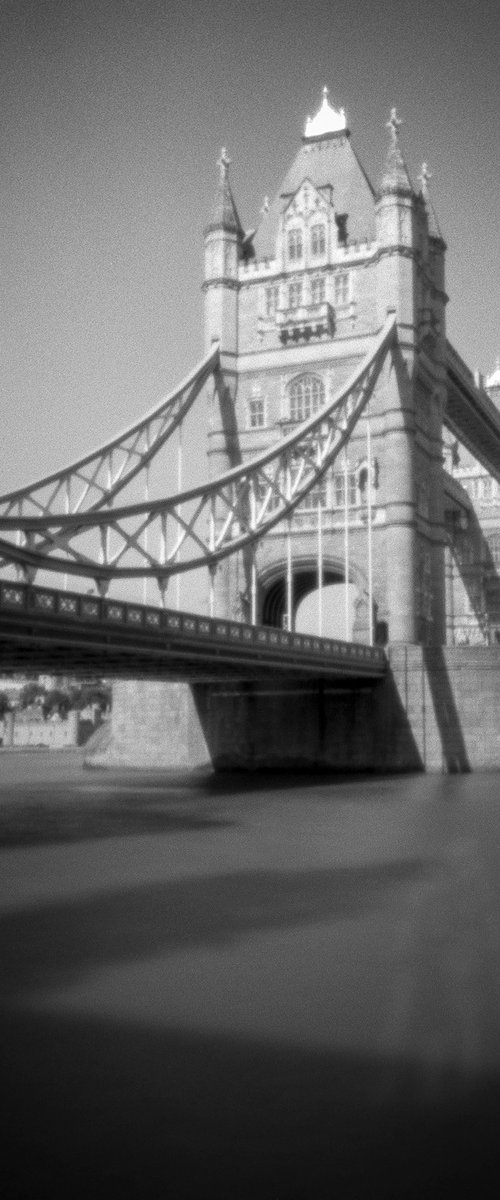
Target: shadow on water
x=105 y=804
x=114 y=1109
x=42 y=821
x=51 y=944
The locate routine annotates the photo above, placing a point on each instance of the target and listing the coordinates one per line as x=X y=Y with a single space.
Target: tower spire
x=433 y=223
x=395 y=176
x=224 y=213
x=328 y=120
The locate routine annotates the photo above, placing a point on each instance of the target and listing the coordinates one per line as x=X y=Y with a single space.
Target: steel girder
x=194 y=528
x=92 y=483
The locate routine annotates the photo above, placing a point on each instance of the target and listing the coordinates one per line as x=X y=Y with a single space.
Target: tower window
x=318 y=240
x=295 y=293
x=341 y=289
x=339 y=489
x=318 y=289
x=256 y=410
x=316 y=498
x=307 y=394
x=271 y=299
x=294 y=244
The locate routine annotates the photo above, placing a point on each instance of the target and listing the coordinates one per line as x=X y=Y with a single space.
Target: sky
x=113 y=113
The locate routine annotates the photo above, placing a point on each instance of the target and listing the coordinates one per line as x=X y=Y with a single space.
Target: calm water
x=275 y=989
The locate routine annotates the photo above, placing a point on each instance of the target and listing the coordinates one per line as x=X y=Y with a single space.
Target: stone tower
x=296 y=306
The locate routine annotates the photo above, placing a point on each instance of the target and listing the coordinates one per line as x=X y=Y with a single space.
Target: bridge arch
x=272 y=584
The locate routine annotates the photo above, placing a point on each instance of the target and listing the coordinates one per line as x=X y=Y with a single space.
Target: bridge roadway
x=48 y=629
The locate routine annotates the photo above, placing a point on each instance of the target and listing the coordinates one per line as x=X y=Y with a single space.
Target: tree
x=30 y=693
x=58 y=701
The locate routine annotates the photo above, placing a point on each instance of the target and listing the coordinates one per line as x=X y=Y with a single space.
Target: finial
x=424 y=177
x=224 y=162
x=327 y=119
x=394 y=124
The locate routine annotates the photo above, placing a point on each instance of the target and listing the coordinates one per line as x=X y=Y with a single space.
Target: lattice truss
x=69 y=522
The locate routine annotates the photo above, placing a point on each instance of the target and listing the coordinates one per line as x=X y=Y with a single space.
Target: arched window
x=307 y=394
x=294 y=244
x=318 y=240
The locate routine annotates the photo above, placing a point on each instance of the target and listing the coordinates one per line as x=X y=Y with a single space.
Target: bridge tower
x=296 y=305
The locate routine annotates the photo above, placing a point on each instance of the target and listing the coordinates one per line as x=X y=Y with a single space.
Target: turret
x=395 y=218
x=396 y=291
x=223 y=242
x=434 y=298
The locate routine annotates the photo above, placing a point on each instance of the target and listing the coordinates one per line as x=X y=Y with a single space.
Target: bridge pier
x=424 y=716
x=153 y=724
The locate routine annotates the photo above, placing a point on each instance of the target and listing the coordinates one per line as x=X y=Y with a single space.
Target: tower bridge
x=345 y=433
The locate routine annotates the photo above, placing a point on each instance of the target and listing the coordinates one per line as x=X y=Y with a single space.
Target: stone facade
x=473 y=555
x=296 y=305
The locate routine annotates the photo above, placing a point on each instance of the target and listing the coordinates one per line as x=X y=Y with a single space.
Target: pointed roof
x=329 y=162
x=224 y=213
x=327 y=120
x=395 y=177
x=433 y=223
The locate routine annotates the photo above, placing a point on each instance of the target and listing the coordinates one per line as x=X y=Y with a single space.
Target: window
x=341 y=289
x=318 y=289
x=295 y=293
x=271 y=299
x=256 y=410
x=339 y=489
x=306 y=397
x=315 y=498
x=318 y=240
x=294 y=244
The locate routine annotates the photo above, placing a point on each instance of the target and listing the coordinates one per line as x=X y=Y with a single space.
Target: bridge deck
x=48 y=629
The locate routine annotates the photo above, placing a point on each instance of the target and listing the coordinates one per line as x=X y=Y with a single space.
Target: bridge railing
x=77 y=608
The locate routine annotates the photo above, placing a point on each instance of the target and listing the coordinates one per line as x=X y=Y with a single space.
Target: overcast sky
x=112 y=117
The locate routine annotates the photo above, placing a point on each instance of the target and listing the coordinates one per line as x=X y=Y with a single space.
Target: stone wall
x=437 y=710
x=153 y=724
x=451 y=696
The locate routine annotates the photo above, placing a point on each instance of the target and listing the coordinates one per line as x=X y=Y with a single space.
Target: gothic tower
x=296 y=306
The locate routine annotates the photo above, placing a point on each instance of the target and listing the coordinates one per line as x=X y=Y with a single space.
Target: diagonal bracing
x=198 y=527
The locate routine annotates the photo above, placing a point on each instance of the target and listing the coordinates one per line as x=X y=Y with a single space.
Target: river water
x=260 y=988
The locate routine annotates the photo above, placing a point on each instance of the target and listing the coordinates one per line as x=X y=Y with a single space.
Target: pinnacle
x=224 y=214
x=433 y=223
x=395 y=176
